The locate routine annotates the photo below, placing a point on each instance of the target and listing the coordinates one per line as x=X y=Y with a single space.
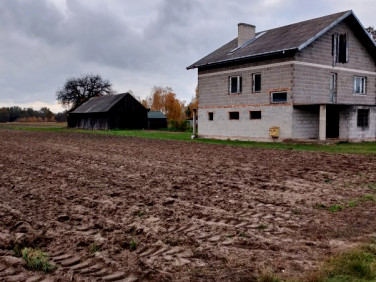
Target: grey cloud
x=135 y=44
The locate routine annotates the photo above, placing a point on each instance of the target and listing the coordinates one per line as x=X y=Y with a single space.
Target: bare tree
x=77 y=90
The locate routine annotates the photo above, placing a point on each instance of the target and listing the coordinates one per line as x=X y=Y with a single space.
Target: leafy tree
x=15 y=112
x=77 y=90
x=164 y=99
x=4 y=114
x=46 y=114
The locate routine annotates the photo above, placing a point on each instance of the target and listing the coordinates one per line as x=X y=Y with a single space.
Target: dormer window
x=340 y=48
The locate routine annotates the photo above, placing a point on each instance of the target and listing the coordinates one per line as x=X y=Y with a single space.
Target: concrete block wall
x=214 y=85
x=314 y=65
x=306 y=122
x=245 y=129
x=312 y=86
x=360 y=133
x=320 y=51
x=345 y=118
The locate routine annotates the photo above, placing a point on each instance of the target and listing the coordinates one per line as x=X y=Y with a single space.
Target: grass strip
x=340 y=147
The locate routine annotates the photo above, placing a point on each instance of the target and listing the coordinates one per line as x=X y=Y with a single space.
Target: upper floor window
x=235 y=84
x=340 y=48
x=360 y=85
x=278 y=97
x=256 y=81
x=333 y=87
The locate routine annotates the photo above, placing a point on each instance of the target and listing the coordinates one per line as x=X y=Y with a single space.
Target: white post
x=322 y=125
x=194 y=123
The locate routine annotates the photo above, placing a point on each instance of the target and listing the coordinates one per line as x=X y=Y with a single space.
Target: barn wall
x=89 y=121
x=128 y=113
x=155 y=123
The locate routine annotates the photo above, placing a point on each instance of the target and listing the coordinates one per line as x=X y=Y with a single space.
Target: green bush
x=37 y=260
x=182 y=125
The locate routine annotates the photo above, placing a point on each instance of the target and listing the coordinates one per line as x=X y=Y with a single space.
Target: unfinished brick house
x=311 y=80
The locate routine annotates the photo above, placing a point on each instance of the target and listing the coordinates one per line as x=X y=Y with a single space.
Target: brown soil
x=118 y=208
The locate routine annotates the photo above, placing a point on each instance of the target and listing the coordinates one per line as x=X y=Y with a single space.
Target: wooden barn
x=156 y=119
x=109 y=112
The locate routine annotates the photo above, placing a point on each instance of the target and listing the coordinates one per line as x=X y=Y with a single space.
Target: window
x=255 y=114
x=278 y=97
x=210 y=116
x=234 y=115
x=333 y=88
x=359 y=85
x=340 y=48
x=363 y=115
x=256 y=80
x=235 y=84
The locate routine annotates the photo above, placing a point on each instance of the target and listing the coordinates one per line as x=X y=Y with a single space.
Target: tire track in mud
x=12 y=269
x=175 y=256
x=81 y=265
x=208 y=229
x=76 y=267
x=186 y=205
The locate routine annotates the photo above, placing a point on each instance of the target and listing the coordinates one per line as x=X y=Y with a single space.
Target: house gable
x=320 y=51
x=286 y=39
x=314 y=67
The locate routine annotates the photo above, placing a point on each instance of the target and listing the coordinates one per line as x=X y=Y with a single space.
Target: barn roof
x=99 y=104
x=289 y=38
x=156 y=115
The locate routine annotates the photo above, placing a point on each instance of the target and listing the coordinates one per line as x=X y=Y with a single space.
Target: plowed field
x=118 y=208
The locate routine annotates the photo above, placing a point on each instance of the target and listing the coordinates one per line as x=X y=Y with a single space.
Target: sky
x=134 y=44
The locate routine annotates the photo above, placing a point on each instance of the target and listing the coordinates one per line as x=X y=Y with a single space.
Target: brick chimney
x=245 y=33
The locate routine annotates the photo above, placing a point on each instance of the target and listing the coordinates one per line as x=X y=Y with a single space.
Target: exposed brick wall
x=312 y=83
x=349 y=128
x=245 y=128
x=320 y=51
x=306 y=123
x=214 y=86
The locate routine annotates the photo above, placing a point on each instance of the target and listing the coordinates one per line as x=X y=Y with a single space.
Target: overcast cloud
x=134 y=44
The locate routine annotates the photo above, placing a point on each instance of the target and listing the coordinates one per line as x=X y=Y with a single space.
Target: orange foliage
x=164 y=99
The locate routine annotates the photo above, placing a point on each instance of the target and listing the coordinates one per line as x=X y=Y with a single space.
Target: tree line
x=15 y=113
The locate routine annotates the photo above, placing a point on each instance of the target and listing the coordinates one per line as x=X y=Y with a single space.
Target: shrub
x=37 y=260
x=182 y=125
x=132 y=245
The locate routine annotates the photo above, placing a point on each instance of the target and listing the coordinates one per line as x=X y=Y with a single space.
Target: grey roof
x=99 y=104
x=156 y=115
x=293 y=37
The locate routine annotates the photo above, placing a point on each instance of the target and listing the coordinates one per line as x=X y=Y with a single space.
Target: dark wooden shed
x=156 y=119
x=109 y=112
